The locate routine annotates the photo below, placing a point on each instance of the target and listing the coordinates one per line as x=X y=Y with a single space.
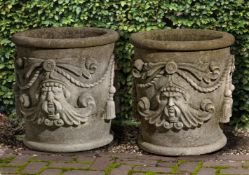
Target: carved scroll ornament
x=173 y=109
x=204 y=79
x=52 y=106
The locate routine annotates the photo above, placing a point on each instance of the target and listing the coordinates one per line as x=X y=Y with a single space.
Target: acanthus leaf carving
x=173 y=110
x=52 y=106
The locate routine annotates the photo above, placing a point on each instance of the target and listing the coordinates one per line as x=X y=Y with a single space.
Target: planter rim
x=63 y=37
x=182 y=39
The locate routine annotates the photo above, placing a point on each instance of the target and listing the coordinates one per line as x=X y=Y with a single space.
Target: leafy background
x=127 y=17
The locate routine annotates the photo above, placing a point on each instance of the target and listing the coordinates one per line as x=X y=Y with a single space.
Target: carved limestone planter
x=183 y=90
x=64 y=87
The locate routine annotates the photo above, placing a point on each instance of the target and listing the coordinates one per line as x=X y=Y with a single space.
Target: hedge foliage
x=128 y=16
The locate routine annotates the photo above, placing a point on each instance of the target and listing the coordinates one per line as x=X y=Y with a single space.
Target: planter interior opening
x=65 y=37
x=64 y=33
x=181 y=36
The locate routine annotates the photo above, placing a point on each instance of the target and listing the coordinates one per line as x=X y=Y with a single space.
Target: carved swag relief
x=51 y=105
x=172 y=108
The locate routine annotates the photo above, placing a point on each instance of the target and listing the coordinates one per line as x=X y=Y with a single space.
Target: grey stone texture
x=64 y=87
x=184 y=165
x=52 y=172
x=182 y=89
x=8 y=170
x=101 y=163
x=34 y=168
x=121 y=170
x=77 y=172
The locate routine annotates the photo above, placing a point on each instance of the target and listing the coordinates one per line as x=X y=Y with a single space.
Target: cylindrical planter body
x=64 y=87
x=182 y=89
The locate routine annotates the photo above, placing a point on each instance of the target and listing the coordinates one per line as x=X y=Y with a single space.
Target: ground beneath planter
x=11 y=135
x=121 y=157
x=100 y=162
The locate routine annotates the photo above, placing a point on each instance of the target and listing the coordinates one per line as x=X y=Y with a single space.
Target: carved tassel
x=227 y=110
x=228 y=100
x=110 y=107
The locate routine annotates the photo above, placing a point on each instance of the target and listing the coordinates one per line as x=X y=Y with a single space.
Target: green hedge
x=129 y=16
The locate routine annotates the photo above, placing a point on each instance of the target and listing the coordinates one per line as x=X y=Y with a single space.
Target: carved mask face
x=172 y=101
x=51 y=96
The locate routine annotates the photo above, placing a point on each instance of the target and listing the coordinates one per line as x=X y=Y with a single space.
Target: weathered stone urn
x=182 y=89
x=64 y=87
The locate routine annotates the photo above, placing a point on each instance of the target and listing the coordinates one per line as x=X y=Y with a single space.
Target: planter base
x=68 y=147
x=177 y=151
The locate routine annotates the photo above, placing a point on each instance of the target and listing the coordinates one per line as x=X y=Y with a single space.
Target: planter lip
x=202 y=39
x=54 y=37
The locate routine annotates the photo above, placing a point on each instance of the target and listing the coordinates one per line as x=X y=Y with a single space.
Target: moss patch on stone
x=175 y=168
x=112 y=166
x=20 y=168
x=150 y=173
x=6 y=160
x=197 y=168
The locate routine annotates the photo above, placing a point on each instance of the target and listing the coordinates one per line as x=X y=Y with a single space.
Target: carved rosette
x=52 y=83
x=170 y=106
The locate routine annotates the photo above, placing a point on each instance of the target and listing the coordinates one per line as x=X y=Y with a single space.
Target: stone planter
x=183 y=89
x=64 y=87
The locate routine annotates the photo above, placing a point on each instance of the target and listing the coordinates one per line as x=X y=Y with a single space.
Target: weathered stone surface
x=57 y=158
x=222 y=164
x=20 y=160
x=245 y=164
x=78 y=172
x=145 y=162
x=69 y=165
x=122 y=170
x=198 y=157
x=152 y=169
x=101 y=163
x=84 y=159
x=188 y=167
x=183 y=89
x=109 y=163
x=34 y=167
x=232 y=171
x=8 y=170
x=207 y=171
x=64 y=87
x=51 y=172
x=234 y=157
x=166 y=164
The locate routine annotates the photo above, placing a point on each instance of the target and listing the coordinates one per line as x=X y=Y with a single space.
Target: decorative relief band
x=52 y=105
x=206 y=77
x=50 y=67
x=171 y=106
x=173 y=110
